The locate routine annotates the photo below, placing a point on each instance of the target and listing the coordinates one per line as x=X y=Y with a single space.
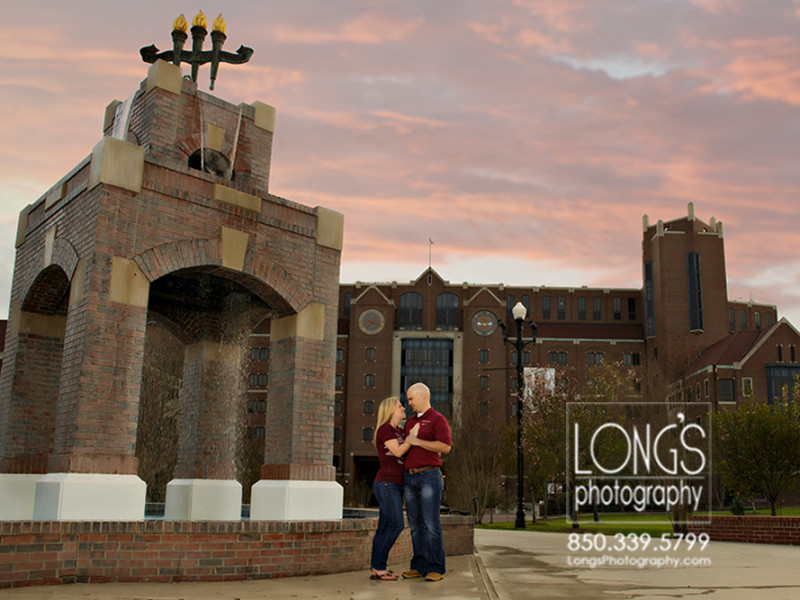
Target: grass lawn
x=654 y=524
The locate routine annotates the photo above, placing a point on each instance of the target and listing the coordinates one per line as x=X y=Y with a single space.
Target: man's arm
x=433 y=446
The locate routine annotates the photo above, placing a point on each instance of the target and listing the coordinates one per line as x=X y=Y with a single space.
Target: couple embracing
x=410 y=468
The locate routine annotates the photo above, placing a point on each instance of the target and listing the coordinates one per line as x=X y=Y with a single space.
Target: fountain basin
x=63 y=552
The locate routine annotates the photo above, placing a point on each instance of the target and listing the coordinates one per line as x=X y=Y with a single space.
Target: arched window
x=447 y=312
x=409 y=315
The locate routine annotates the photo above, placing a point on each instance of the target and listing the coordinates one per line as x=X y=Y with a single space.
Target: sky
x=524 y=138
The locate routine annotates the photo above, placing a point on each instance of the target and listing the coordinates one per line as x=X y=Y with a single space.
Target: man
x=423 y=484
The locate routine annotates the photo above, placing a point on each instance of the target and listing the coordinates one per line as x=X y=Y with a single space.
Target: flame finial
x=200 y=20
x=219 y=24
x=179 y=24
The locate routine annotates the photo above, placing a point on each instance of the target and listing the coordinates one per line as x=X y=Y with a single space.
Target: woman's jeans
x=390 y=521
x=423 y=493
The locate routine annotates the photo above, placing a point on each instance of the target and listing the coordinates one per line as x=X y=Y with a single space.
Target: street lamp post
x=519 y=311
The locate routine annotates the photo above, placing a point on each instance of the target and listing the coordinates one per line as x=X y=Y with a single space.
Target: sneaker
x=413 y=573
x=434 y=577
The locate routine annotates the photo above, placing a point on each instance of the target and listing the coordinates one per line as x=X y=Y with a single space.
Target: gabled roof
x=734 y=349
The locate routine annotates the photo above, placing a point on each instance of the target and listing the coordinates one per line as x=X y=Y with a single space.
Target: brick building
x=679 y=333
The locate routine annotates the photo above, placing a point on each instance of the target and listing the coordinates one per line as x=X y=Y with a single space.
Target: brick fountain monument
x=169 y=223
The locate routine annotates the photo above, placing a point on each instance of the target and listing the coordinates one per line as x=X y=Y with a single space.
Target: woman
x=388 y=485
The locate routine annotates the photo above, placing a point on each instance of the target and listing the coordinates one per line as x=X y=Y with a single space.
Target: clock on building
x=371 y=321
x=484 y=322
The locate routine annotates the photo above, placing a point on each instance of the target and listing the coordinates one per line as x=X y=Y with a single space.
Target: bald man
x=423 y=484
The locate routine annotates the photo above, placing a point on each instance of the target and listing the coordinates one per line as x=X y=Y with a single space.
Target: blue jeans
x=423 y=493
x=390 y=521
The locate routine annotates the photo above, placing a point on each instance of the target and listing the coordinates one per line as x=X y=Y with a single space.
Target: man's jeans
x=390 y=521
x=423 y=493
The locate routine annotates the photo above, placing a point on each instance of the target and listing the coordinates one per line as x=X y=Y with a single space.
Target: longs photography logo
x=639 y=457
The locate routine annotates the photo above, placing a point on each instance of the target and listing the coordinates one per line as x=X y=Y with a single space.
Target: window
x=369 y=407
x=747 y=387
x=558 y=358
x=447 y=306
x=594 y=358
x=731 y=319
x=429 y=360
x=726 y=390
x=780 y=382
x=483 y=356
x=561 y=305
x=510 y=308
x=768 y=318
x=366 y=434
x=369 y=354
x=339 y=354
x=596 y=312
x=409 y=315
x=337 y=434
x=484 y=382
x=545 y=307
x=697 y=392
x=259 y=353
x=633 y=359
x=631 y=309
x=484 y=408
x=693 y=282
x=257 y=406
x=581 y=308
x=742 y=319
x=649 y=300
x=757 y=320
x=253 y=382
x=337 y=408
x=369 y=380
x=526 y=302
x=338 y=382
x=792 y=354
x=257 y=433
x=780 y=354
x=526 y=357
x=617 y=309
x=348 y=299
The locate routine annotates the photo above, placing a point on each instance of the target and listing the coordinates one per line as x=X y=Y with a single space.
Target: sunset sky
x=525 y=138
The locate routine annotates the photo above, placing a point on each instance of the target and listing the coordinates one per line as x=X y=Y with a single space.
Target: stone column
x=211 y=404
x=298 y=479
x=92 y=471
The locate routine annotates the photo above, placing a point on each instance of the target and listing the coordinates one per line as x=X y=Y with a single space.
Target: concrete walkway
x=508 y=565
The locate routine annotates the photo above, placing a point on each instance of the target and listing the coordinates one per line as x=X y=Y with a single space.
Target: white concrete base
x=283 y=500
x=89 y=497
x=203 y=500
x=17 y=492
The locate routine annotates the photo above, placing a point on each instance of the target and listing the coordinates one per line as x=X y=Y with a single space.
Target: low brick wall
x=46 y=553
x=752 y=529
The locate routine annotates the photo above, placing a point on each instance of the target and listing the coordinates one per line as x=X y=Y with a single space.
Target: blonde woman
x=391 y=445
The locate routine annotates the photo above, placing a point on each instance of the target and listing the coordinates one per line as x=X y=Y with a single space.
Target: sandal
x=385 y=576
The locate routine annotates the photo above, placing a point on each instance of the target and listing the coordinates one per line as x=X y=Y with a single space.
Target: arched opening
x=37 y=373
x=193 y=403
x=212 y=161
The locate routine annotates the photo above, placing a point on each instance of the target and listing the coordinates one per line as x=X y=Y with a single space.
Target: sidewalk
x=507 y=565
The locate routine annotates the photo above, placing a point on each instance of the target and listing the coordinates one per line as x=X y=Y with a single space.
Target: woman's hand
x=412 y=435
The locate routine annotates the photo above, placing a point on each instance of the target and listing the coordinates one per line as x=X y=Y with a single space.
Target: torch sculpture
x=197 y=56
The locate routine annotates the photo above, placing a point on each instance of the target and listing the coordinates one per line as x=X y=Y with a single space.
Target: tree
x=473 y=467
x=545 y=420
x=757 y=448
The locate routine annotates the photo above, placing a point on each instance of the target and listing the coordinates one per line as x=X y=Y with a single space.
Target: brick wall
x=750 y=529
x=51 y=553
